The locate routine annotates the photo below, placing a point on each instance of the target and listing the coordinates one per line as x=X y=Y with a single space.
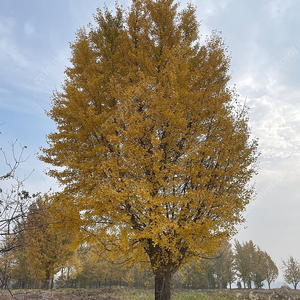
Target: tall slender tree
x=245 y=261
x=154 y=155
x=224 y=266
x=259 y=272
x=271 y=269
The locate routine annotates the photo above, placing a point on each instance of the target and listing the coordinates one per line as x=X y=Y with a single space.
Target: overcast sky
x=264 y=40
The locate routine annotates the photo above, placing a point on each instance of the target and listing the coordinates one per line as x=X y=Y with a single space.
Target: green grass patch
x=136 y=294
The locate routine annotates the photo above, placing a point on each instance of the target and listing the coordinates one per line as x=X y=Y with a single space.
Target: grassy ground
x=176 y=295
x=141 y=294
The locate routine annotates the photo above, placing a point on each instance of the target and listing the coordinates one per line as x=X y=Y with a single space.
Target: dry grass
x=141 y=294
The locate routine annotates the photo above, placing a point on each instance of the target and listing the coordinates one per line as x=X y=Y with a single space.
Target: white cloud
x=10 y=53
x=278 y=8
x=276 y=123
x=6 y=26
x=209 y=8
x=29 y=29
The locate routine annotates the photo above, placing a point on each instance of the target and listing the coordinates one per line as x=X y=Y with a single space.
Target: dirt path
x=59 y=295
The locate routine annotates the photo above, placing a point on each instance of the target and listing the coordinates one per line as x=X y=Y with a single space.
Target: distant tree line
x=48 y=255
x=51 y=256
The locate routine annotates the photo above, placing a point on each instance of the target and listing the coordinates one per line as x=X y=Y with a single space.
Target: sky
x=263 y=38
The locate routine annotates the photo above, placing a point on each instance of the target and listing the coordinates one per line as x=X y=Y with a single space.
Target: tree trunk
x=51 y=283
x=162 y=284
x=164 y=267
x=295 y=285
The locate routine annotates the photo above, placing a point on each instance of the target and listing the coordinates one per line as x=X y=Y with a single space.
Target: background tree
x=253 y=265
x=199 y=274
x=244 y=253
x=88 y=266
x=271 y=269
x=291 y=271
x=48 y=247
x=20 y=272
x=152 y=150
x=14 y=200
x=70 y=268
x=224 y=266
x=7 y=263
x=259 y=273
x=98 y=270
x=230 y=273
x=14 y=203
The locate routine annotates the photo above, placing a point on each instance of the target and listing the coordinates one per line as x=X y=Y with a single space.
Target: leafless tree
x=14 y=200
x=14 y=206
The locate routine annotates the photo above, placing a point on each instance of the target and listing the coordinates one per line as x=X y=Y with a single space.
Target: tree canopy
x=152 y=150
x=291 y=271
x=254 y=265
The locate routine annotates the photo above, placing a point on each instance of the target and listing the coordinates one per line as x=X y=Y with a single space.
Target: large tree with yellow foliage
x=154 y=154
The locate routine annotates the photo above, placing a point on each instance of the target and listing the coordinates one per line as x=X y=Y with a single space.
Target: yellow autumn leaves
x=154 y=154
